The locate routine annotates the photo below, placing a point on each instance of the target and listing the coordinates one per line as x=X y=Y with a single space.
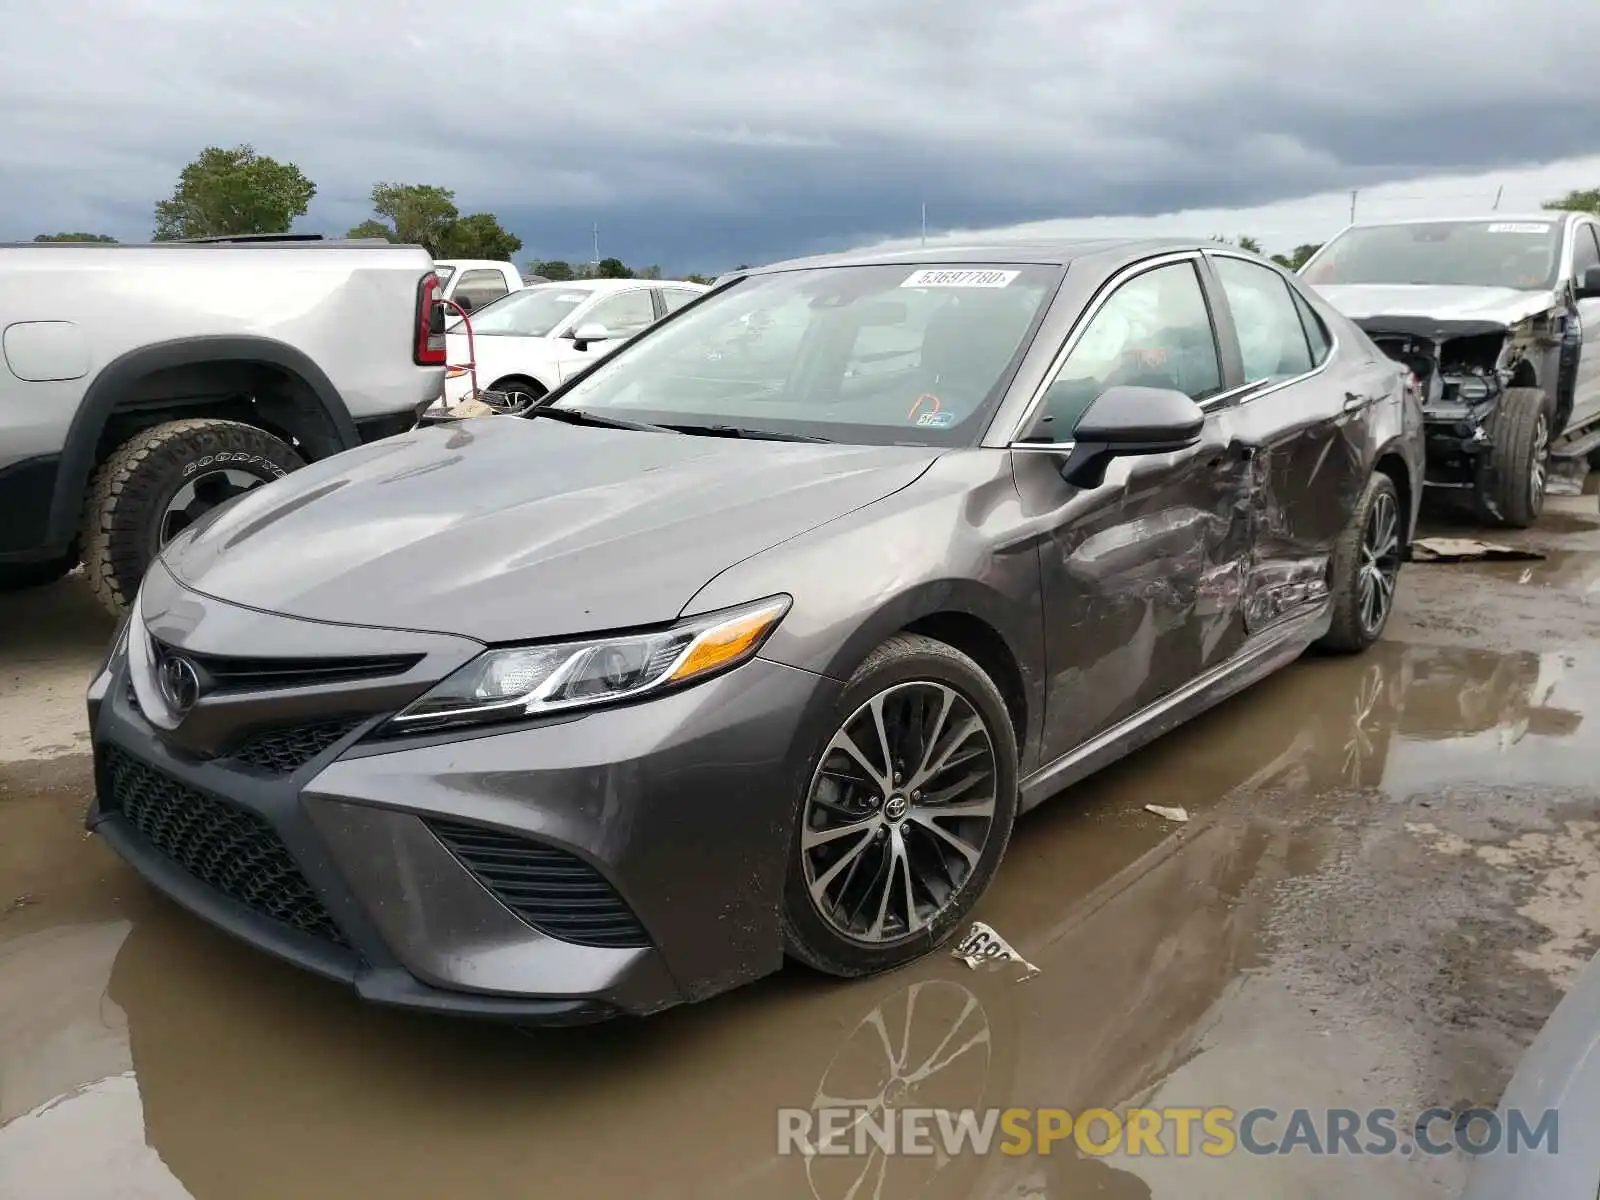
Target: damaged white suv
x=1499 y=319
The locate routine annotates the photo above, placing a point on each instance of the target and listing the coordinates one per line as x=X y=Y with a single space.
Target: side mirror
x=584 y=334
x=465 y=302
x=1589 y=285
x=1124 y=421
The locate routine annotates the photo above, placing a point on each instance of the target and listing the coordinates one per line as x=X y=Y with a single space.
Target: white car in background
x=531 y=341
x=475 y=282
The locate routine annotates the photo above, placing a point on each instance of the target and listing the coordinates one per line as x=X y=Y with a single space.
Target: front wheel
x=158 y=483
x=907 y=810
x=1521 y=457
x=1366 y=568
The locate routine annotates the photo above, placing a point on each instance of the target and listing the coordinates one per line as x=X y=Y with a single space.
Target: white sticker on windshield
x=945 y=277
x=1518 y=227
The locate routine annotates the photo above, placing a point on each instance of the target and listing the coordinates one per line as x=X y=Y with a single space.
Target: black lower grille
x=282 y=751
x=229 y=849
x=555 y=892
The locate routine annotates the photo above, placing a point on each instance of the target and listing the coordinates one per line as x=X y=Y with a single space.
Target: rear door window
x=478 y=287
x=1272 y=337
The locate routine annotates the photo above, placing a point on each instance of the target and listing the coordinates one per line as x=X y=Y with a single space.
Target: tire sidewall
x=1347 y=567
x=802 y=921
x=263 y=464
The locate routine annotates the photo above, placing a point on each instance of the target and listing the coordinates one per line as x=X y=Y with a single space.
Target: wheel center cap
x=895 y=807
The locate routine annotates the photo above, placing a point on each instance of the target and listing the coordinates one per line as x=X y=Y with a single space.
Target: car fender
x=929 y=550
x=116 y=379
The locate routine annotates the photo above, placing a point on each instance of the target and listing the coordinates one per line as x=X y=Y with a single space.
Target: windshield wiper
x=740 y=431
x=582 y=416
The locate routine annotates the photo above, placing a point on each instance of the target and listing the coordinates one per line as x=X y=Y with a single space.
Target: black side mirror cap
x=1124 y=421
x=1589 y=284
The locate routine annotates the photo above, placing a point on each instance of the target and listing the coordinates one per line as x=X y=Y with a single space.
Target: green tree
x=75 y=237
x=612 y=268
x=480 y=236
x=371 y=229
x=418 y=214
x=233 y=191
x=1578 y=200
x=650 y=272
x=697 y=278
x=1300 y=256
x=554 y=269
x=1250 y=244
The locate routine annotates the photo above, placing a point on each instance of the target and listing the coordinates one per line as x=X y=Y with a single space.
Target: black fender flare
x=117 y=377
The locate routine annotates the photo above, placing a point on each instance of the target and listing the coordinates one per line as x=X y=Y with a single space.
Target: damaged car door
x=1309 y=426
x=1141 y=574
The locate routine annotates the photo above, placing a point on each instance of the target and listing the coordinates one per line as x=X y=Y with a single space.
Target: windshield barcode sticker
x=945 y=277
x=1518 y=227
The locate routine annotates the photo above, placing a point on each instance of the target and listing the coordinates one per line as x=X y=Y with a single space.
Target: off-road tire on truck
x=1364 y=549
x=1521 y=434
x=14 y=577
x=157 y=482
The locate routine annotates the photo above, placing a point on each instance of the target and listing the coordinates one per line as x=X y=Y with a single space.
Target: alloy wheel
x=1380 y=562
x=899 y=812
x=1539 y=468
x=199 y=496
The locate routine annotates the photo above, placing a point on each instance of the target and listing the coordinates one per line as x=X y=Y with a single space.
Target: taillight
x=429 y=348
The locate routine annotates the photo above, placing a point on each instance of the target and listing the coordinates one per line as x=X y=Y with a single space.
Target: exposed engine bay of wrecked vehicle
x=1463 y=368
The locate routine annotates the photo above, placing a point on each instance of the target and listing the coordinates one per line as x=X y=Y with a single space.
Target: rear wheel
x=1521 y=458
x=161 y=481
x=1366 y=568
x=907 y=811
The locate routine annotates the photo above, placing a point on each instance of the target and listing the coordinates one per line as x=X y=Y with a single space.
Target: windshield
x=529 y=312
x=907 y=353
x=1509 y=254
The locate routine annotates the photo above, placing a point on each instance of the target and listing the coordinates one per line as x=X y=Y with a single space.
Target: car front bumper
x=615 y=862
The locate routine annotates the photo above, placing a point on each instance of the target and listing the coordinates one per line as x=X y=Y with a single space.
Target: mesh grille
x=281 y=751
x=555 y=892
x=229 y=849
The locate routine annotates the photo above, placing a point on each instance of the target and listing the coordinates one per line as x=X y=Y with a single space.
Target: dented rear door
x=1305 y=413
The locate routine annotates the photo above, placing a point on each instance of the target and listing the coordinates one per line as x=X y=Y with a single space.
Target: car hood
x=505 y=528
x=1504 y=306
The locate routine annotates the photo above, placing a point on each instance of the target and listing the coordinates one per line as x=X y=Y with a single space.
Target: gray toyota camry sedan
x=754 y=638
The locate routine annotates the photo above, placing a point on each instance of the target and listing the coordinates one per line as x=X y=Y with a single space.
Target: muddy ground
x=1391 y=872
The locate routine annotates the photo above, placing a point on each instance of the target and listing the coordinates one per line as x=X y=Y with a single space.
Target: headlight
x=528 y=681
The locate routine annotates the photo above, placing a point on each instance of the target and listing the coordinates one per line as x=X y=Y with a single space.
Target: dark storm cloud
x=698 y=133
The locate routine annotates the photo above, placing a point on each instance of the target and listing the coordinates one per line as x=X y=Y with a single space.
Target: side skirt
x=1264 y=654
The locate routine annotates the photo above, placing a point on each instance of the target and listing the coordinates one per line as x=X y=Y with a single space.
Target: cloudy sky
x=703 y=133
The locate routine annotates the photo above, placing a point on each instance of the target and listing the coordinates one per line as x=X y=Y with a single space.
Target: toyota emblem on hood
x=180 y=683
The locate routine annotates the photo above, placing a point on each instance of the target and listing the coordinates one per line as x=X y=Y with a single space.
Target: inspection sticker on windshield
x=1518 y=227
x=936 y=420
x=944 y=277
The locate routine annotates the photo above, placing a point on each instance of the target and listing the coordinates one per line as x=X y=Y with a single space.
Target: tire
x=904 y=672
x=15 y=577
x=126 y=515
x=1362 y=549
x=1521 y=458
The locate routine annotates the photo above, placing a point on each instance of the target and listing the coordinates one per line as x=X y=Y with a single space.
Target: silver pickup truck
x=143 y=385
